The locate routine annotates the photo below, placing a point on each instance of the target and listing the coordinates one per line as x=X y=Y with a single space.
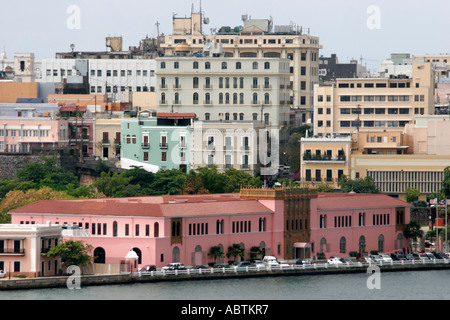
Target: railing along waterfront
x=294 y=267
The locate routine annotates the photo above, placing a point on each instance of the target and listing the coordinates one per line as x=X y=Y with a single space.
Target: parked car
x=368 y=258
x=440 y=255
x=283 y=263
x=334 y=260
x=430 y=255
x=347 y=261
x=420 y=256
x=222 y=265
x=303 y=261
x=2 y=274
x=270 y=261
x=410 y=256
x=398 y=256
x=147 y=268
x=202 y=266
x=377 y=258
x=385 y=257
x=243 y=264
x=258 y=264
x=174 y=266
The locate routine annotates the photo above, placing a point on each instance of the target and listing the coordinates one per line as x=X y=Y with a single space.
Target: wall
x=11 y=91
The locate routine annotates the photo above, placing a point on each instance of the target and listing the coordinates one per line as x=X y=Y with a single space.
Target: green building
x=156 y=141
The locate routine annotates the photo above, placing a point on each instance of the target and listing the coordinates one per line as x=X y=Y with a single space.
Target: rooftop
x=339 y=201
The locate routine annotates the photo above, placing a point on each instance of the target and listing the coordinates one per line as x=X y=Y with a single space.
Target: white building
x=221 y=88
x=108 y=76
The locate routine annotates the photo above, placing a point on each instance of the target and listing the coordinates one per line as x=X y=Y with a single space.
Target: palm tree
x=235 y=250
x=412 y=231
x=216 y=252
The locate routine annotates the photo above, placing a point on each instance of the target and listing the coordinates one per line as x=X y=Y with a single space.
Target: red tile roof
x=159 y=206
x=330 y=201
x=175 y=115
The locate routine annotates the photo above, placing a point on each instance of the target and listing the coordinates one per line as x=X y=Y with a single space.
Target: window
x=176 y=65
x=163 y=65
x=195 y=98
x=266 y=65
x=238 y=65
x=195 y=65
x=255 y=65
x=207 y=65
x=224 y=65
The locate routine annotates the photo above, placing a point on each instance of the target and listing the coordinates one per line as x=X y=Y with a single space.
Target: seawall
x=206 y=274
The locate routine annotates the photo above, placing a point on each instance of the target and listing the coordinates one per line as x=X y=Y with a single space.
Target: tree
x=359 y=185
x=237 y=179
x=18 y=198
x=412 y=194
x=116 y=185
x=194 y=184
x=324 y=187
x=412 y=231
x=255 y=251
x=235 y=250
x=216 y=252
x=72 y=252
x=446 y=183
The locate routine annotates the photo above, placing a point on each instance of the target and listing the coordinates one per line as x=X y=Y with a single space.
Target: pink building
x=289 y=223
x=22 y=249
x=21 y=134
x=163 y=229
x=346 y=222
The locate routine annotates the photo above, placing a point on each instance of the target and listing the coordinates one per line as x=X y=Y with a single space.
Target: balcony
x=105 y=142
x=145 y=145
x=323 y=158
x=14 y=252
x=163 y=145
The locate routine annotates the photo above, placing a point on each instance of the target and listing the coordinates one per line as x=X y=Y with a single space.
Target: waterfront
x=417 y=285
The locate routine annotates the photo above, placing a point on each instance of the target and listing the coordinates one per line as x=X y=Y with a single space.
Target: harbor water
x=405 y=285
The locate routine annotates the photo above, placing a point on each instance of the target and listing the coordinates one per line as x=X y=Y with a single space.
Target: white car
x=270 y=261
x=386 y=257
x=2 y=274
x=334 y=260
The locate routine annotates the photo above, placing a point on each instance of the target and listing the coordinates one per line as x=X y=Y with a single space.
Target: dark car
x=222 y=265
x=302 y=261
x=147 y=268
x=243 y=264
x=398 y=256
x=200 y=267
x=440 y=255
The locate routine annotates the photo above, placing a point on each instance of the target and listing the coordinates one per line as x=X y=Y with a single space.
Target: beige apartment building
x=325 y=159
x=352 y=106
x=257 y=38
x=107 y=138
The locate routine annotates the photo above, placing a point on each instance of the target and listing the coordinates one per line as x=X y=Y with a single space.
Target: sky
x=353 y=29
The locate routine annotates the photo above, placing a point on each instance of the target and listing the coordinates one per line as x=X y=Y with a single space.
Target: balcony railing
x=145 y=145
x=13 y=251
x=163 y=145
x=311 y=157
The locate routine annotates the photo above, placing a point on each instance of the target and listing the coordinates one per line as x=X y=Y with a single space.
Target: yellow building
x=351 y=106
x=324 y=159
x=107 y=138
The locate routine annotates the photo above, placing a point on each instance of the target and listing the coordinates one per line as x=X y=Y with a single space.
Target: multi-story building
x=343 y=223
x=22 y=249
x=156 y=141
x=330 y=69
x=325 y=159
x=374 y=104
x=25 y=126
x=107 y=137
x=288 y=223
x=229 y=144
x=258 y=38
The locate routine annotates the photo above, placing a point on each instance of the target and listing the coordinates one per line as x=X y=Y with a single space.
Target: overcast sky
x=371 y=29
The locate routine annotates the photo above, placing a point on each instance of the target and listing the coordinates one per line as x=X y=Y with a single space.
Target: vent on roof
x=178 y=201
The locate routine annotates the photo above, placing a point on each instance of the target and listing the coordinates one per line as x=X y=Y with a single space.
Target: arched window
x=177 y=98
x=241 y=98
x=207 y=65
x=115 y=229
x=266 y=98
x=195 y=82
x=238 y=65
x=342 y=245
x=235 y=98
x=100 y=255
x=195 y=65
x=195 y=98
x=266 y=65
x=255 y=98
x=362 y=244
x=255 y=65
x=139 y=253
x=207 y=98
x=133 y=139
x=227 y=98
x=163 y=98
x=221 y=98
x=323 y=245
x=380 y=243
x=176 y=254
x=399 y=241
x=156 y=228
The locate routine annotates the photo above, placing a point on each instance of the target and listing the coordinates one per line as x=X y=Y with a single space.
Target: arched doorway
x=139 y=253
x=100 y=255
x=198 y=256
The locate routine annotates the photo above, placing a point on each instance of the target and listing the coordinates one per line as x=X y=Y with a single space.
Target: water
x=421 y=285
